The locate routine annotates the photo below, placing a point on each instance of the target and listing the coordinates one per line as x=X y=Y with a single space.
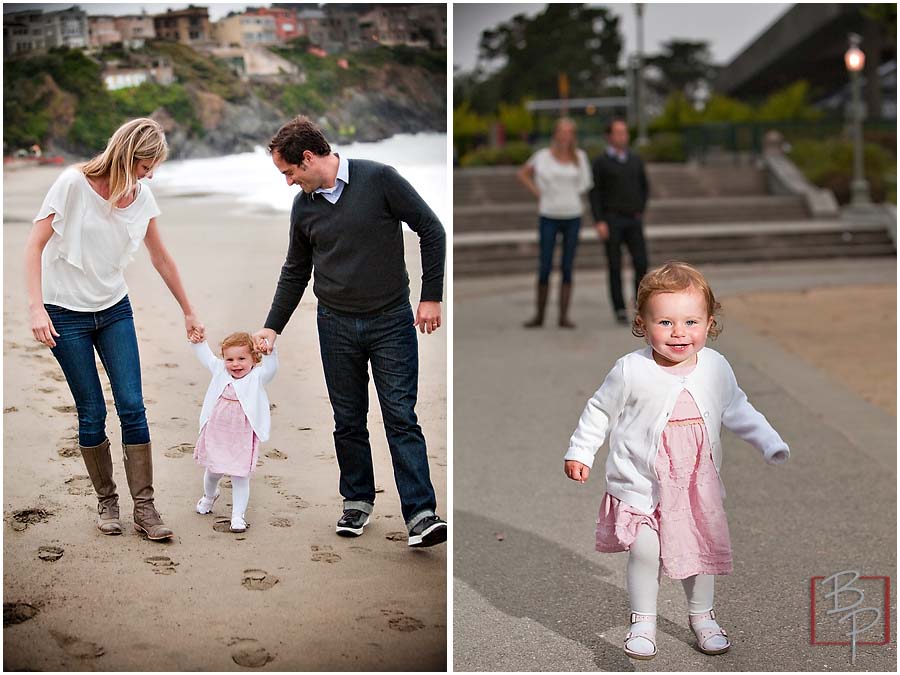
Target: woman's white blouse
x=560 y=184
x=83 y=262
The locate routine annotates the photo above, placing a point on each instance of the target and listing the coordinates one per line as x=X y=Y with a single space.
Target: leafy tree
x=578 y=41
x=683 y=65
x=789 y=103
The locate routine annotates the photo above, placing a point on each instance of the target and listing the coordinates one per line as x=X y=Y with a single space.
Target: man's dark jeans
x=387 y=341
x=630 y=231
x=111 y=332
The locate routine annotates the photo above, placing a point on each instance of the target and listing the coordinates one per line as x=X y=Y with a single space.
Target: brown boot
x=565 y=297
x=99 y=467
x=538 y=320
x=139 y=471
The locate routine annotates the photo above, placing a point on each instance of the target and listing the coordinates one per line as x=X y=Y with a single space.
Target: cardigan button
x=706 y=414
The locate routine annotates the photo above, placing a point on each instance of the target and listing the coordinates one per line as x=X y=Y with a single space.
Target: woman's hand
x=42 y=327
x=577 y=470
x=196 y=331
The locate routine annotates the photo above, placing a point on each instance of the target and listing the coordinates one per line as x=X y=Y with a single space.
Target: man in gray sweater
x=346 y=225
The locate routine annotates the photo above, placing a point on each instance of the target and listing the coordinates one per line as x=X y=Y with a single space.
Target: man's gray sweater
x=356 y=246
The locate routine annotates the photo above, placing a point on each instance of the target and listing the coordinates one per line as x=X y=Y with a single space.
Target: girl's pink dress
x=227 y=442
x=690 y=518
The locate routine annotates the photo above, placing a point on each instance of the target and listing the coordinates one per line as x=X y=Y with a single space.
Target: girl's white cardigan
x=633 y=404
x=250 y=389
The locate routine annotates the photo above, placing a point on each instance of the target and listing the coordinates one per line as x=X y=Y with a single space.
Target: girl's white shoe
x=711 y=637
x=640 y=641
x=238 y=524
x=205 y=505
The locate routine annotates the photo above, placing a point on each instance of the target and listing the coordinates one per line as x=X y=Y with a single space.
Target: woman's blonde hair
x=141 y=139
x=241 y=339
x=569 y=150
x=673 y=277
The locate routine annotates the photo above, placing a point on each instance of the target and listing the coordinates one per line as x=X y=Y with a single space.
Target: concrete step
x=517 y=252
x=487 y=217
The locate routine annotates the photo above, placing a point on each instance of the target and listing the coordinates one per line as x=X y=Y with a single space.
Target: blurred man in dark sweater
x=346 y=225
x=618 y=200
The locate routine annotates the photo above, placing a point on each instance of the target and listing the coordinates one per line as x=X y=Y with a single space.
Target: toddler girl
x=233 y=420
x=663 y=407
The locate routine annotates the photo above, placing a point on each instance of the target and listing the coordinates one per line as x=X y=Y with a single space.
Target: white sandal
x=648 y=634
x=704 y=635
x=205 y=504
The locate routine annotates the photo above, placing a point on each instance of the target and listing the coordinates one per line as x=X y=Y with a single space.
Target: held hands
x=196 y=331
x=577 y=470
x=602 y=229
x=42 y=327
x=265 y=340
x=428 y=316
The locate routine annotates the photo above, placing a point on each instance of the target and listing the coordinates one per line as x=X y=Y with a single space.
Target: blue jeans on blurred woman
x=550 y=231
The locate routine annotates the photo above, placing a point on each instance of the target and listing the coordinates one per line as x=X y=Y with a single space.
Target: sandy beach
x=286 y=595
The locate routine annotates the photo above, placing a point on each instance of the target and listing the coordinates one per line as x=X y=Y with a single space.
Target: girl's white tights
x=240 y=491
x=643 y=576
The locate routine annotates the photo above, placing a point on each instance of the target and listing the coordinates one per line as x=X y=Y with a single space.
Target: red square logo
x=849 y=605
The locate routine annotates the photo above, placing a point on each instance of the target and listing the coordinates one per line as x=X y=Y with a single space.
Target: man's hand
x=602 y=229
x=577 y=470
x=265 y=340
x=428 y=316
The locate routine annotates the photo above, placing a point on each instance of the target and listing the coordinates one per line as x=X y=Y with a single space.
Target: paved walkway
x=529 y=591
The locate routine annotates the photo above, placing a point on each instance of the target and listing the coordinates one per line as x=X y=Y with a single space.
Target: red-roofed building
x=286 y=25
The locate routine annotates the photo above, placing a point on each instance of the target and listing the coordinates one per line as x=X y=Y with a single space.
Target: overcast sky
x=727 y=27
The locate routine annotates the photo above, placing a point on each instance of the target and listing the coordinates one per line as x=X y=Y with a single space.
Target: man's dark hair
x=614 y=120
x=297 y=136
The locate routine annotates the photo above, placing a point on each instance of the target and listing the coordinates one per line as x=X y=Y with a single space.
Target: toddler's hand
x=577 y=470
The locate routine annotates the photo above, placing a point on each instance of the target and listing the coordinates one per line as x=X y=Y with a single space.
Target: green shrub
x=514 y=153
x=664 y=147
x=829 y=164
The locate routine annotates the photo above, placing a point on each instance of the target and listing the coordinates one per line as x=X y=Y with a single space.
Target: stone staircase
x=697 y=214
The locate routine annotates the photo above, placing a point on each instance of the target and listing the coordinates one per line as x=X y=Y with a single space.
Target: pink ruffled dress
x=227 y=442
x=690 y=517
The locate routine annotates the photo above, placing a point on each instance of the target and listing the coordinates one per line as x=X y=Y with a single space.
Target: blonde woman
x=557 y=176
x=91 y=223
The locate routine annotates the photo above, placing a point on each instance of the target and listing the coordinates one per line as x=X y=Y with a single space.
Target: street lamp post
x=855 y=59
x=639 y=76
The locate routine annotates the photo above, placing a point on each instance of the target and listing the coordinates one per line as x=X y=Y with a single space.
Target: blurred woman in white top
x=558 y=176
x=89 y=227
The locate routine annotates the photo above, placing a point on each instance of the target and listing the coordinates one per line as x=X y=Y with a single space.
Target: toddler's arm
x=269 y=365
x=603 y=408
x=752 y=426
x=205 y=355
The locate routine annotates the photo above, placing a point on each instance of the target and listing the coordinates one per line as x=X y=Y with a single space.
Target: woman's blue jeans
x=550 y=229
x=111 y=333
x=388 y=342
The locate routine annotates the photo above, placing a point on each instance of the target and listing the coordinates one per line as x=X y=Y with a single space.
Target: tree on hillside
x=684 y=66
x=583 y=43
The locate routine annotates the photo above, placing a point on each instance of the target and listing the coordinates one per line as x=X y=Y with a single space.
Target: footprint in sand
x=273 y=481
x=22 y=518
x=74 y=646
x=161 y=564
x=46 y=390
x=55 y=375
x=360 y=549
x=396 y=536
x=223 y=525
x=248 y=653
x=69 y=451
x=169 y=365
x=17 y=612
x=323 y=553
x=325 y=457
x=65 y=408
x=180 y=450
x=80 y=485
x=275 y=454
x=298 y=501
x=280 y=522
x=10 y=409
x=258 y=580
x=304 y=428
x=50 y=553
x=401 y=622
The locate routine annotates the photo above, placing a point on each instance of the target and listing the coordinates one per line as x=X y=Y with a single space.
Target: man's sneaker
x=352 y=523
x=429 y=531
